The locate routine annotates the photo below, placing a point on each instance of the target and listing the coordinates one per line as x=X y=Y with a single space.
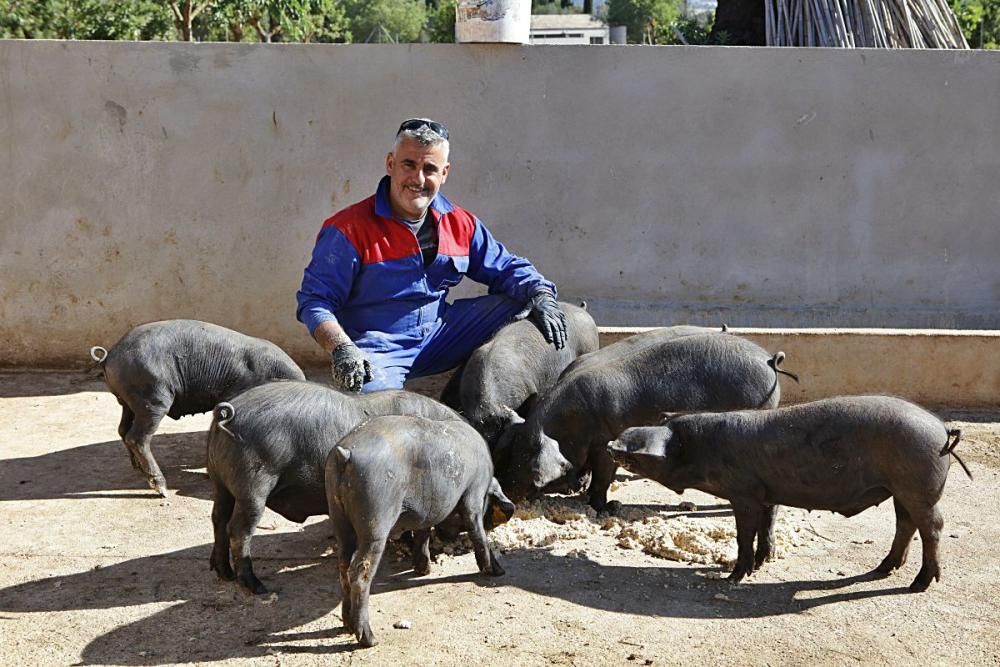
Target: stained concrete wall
x=759 y=187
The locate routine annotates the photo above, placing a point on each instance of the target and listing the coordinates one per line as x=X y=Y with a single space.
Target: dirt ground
x=97 y=570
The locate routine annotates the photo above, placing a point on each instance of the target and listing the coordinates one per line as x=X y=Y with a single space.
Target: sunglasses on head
x=414 y=124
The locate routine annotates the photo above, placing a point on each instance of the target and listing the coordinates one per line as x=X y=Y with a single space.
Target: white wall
x=759 y=187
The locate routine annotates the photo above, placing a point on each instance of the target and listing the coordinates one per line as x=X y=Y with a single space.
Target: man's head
x=417 y=166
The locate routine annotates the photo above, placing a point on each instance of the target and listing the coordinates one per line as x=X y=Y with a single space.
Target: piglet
x=403 y=473
x=175 y=368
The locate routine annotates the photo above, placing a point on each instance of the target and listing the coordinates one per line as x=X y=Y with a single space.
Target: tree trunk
x=742 y=20
x=588 y=6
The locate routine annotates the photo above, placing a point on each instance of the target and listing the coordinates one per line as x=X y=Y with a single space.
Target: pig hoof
x=421 y=569
x=924 y=579
x=887 y=566
x=495 y=570
x=158 y=484
x=610 y=509
x=763 y=557
x=252 y=585
x=224 y=572
x=737 y=575
x=367 y=638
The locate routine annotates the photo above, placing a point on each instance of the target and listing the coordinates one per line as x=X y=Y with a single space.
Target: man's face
x=416 y=173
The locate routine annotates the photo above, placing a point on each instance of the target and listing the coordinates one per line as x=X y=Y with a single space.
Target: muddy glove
x=549 y=318
x=349 y=368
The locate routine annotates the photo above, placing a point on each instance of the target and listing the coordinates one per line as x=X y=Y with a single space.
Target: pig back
x=518 y=363
x=193 y=364
x=423 y=465
x=841 y=454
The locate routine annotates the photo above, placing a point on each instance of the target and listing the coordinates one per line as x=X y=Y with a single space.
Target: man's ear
x=444 y=172
x=389 y=158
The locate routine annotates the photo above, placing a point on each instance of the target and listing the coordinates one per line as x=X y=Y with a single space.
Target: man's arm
x=325 y=285
x=503 y=272
x=330 y=335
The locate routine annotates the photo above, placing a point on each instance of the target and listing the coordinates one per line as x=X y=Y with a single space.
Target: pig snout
x=551 y=466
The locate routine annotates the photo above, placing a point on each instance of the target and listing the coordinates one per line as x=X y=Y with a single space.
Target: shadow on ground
x=213 y=620
x=103 y=470
x=21 y=384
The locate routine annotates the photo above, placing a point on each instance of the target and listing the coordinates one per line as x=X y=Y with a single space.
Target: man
x=373 y=295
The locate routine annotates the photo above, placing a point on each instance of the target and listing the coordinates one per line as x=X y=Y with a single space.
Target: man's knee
x=385 y=378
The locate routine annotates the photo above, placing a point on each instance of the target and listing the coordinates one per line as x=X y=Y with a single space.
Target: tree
x=84 y=19
x=185 y=12
x=277 y=20
x=441 y=22
x=646 y=21
x=980 y=22
x=371 y=20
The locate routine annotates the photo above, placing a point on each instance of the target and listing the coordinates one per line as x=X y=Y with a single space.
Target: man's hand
x=349 y=367
x=549 y=317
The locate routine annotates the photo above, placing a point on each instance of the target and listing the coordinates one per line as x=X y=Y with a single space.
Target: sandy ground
x=95 y=569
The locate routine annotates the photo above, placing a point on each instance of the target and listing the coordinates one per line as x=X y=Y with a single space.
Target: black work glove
x=549 y=318
x=349 y=367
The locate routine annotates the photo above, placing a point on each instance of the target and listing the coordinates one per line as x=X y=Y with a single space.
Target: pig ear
x=674 y=446
x=342 y=455
x=528 y=405
x=502 y=508
x=667 y=417
x=510 y=416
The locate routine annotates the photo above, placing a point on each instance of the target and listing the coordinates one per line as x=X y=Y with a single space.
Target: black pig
x=630 y=383
x=841 y=454
x=504 y=374
x=395 y=474
x=175 y=368
x=267 y=448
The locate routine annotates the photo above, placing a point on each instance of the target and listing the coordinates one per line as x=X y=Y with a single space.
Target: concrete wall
x=757 y=187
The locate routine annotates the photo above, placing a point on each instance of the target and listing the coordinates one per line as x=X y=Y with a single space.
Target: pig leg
x=901 y=542
x=486 y=558
x=347 y=545
x=765 y=536
x=364 y=564
x=222 y=511
x=603 y=469
x=138 y=439
x=422 y=551
x=930 y=526
x=123 y=426
x=748 y=518
x=246 y=515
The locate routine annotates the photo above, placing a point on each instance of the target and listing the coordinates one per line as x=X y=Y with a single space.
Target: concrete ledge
x=938 y=368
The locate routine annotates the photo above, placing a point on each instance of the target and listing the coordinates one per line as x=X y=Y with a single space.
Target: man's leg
x=467 y=324
x=389 y=368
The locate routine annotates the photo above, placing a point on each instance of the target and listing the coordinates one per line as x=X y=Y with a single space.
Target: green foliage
x=553 y=7
x=980 y=22
x=647 y=21
x=378 y=20
x=85 y=19
x=695 y=29
x=275 y=21
x=441 y=23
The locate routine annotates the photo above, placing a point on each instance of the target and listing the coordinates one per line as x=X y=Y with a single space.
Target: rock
x=687 y=506
x=402 y=624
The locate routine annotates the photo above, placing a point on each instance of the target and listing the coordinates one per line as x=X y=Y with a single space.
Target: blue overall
x=367 y=273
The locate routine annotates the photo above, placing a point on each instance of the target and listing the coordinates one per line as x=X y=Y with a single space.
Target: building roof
x=565 y=22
